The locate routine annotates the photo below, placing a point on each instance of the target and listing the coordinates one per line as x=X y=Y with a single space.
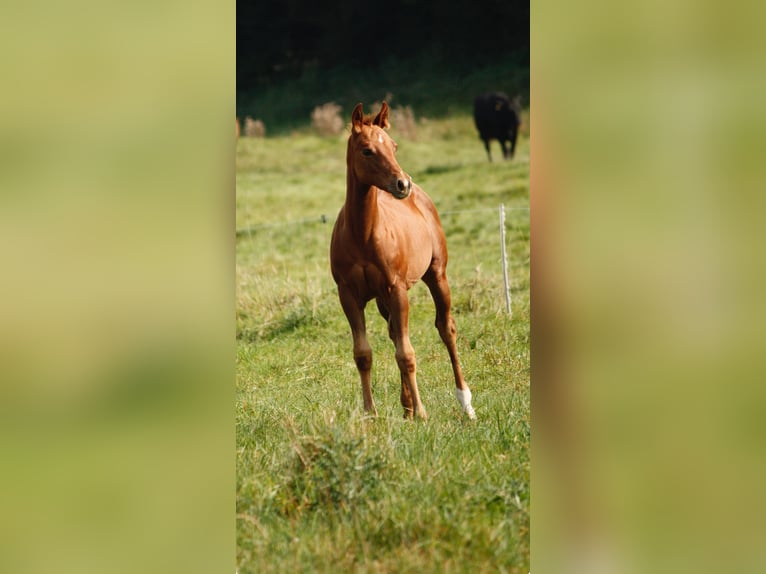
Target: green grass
x=320 y=486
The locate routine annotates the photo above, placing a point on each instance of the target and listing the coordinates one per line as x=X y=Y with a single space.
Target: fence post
x=505 y=260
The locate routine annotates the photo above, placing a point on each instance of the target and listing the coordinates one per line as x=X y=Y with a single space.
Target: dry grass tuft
x=254 y=128
x=403 y=121
x=326 y=119
x=402 y=118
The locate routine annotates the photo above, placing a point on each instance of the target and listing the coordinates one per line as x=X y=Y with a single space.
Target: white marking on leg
x=464 y=398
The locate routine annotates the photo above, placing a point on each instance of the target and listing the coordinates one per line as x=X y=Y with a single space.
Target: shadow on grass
x=439 y=169
x=299 y=319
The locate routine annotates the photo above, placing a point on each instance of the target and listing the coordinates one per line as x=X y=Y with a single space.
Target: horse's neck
x=362 y=207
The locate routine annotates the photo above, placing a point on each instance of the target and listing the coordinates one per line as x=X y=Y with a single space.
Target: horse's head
x=371 y=154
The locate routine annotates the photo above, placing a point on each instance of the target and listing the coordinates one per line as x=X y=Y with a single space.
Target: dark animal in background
x=497 y=117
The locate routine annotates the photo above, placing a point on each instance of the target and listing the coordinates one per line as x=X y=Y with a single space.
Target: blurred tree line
x=279 y=40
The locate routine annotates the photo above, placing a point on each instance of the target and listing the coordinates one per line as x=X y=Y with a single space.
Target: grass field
x=320 y=486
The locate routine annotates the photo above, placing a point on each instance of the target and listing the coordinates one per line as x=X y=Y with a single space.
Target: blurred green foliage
x=647 y=285
x=116 y=303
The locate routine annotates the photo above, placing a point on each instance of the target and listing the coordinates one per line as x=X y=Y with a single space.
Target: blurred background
x=116 y=296
x=647 y=310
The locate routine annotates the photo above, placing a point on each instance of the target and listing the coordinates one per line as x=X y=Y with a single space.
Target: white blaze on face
x=380 y=138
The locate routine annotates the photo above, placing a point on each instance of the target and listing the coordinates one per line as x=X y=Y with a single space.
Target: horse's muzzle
x=403 y=187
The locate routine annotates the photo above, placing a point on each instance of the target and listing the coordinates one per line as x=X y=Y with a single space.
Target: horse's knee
x=445 y=324
x=363 y=360
x=451 y=328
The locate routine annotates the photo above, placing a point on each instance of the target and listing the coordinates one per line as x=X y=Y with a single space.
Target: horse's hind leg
x=440 y=291
x=362 y=350
x=382 y=309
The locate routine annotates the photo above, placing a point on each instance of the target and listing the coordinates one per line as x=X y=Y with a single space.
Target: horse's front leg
x=436 y=280
x=404 y=396
x=362 y=351
x=398 y=330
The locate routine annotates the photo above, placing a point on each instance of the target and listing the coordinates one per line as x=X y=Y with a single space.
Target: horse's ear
x=382 y=118
x=357 y=118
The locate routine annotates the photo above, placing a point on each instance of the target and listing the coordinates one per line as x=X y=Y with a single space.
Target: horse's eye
x=367 y=151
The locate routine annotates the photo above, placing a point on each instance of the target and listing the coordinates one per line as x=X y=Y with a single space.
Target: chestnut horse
x=388 y=237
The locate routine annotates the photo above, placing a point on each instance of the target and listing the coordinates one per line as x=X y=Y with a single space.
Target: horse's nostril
x=402 y=184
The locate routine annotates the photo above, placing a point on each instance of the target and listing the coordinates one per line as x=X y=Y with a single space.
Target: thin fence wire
x=324 y=219
x=481 y=210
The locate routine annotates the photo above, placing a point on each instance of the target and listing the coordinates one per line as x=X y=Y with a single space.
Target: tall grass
x=320 y=486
